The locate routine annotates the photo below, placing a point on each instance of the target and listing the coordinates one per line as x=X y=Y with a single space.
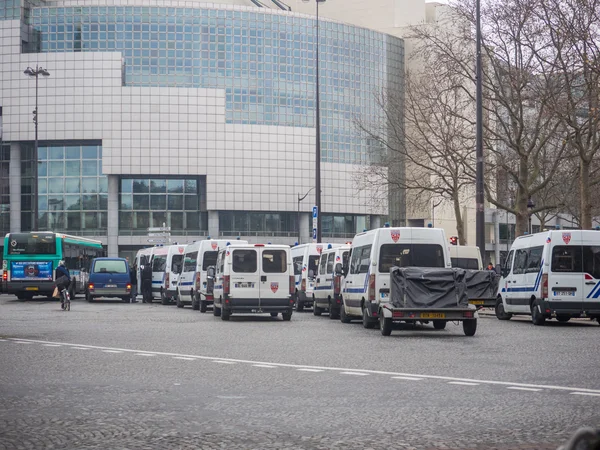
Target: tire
x=88 y=296
x=195 y=302
x=287 y=316
x=21 y=298
x=536 y=316
x=563 y=318
x=163 y=298
x=125 y=299
x=203 y=306
x=225 y=314
x=273 y=314
x=299 y=306
x=179 y=302
x=316 y=310
x=72 y=290
x=439 y=324
x=216 y=311
x=367 y=321
x=385 y=325
x=470 y=327
x=499 y=309
x=343 y=317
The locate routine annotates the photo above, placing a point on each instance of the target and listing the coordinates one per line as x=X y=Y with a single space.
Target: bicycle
x=65 y=300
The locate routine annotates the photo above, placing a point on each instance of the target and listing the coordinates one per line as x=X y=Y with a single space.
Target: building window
x=4 y=189
x=253 y=223
x=342 y=226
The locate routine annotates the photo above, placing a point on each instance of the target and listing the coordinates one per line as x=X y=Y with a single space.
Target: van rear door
x=566 y=284
x=274 y=277
x=244 y=282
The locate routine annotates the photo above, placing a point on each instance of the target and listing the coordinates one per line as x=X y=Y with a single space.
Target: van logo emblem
x=274 y=287
x=319 y=249
x=214 y=245
x=566 y=237
x=181 y=249
x=395 y=235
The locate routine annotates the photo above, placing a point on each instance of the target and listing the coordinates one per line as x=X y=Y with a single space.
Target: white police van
x=466 y=257
x=373 y=253
x=174 y=265
x=193 y=281
x=553 y=274
x=142 y=258
x=254 y=278
x=305 y=258
x=327 y=290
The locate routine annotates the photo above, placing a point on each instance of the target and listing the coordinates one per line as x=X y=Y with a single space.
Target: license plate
x=32 y=288
x=433 y=315
x=476 y=302
x=110 y=285
x=244 y=285
x=565 y=293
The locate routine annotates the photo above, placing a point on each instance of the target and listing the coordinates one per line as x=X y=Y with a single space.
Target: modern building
x=199 y=116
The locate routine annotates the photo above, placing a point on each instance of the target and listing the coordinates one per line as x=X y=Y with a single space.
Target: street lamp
x=317 y=132
x=479 y=184
x=299 y=200
x=530 y=206
x=35 y=73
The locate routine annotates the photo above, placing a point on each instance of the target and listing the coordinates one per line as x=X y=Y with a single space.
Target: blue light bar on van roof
x=429 y=225
x=557 y=226
x=207 y=237
x=329 y=246
x=228 y=243
x=386 y=225
x=238 y=238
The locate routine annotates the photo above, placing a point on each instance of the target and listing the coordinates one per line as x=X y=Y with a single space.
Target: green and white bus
x=29 y=261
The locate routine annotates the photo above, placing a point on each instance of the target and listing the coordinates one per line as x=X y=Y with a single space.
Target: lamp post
x=479 y=185
x=530 y=206
x=299 y=200
x=35 y=73
x=317 y=132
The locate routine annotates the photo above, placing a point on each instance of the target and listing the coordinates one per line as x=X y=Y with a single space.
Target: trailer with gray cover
x=422 y=294
x=482 y=287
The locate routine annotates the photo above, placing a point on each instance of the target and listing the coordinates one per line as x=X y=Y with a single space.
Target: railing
x=259 y=233
x=144 y=232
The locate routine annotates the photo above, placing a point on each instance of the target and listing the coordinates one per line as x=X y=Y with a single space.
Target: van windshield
x=209 y=259
x=176 y=263
x=410 y=255
x=576 y=259
x=465 y=263
x=297 y=261
x=189 y=264
x=110 y=266
x=244 y=261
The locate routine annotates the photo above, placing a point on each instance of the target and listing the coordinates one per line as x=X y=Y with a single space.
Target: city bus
x=29 y=261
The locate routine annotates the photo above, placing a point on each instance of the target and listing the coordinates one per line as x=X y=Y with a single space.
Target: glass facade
x=179 y=203
x=264 y=62
x=10 y=9
x=343 y=226
x=4 y=189
x=252 y=223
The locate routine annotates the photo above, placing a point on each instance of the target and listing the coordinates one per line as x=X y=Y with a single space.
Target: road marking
x=360 y=374
x=185 y=358
x=334 y=369
x=230 y=397
x=585 y=393
x=407 y=378
x=112 y=351
x=264 y=366
x=517 y=388
x=463 y=383
x=51 y=345
x=80 y=348
x=224 y=362
x=310 y=370
x=145 y=354
x=23 y=342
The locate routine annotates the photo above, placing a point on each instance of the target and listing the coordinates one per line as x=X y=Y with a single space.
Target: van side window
x=323 y=264
x=274 y=261
x=520 y=261
x=244 y=261
x=591 y=260
x=159 y=264
x=297 y=262
x=189 y=263
x=365 y=259
x=534 y=260
x=221 y=262
x=508 y=262
x=345 y=256
x=330 y=262
x=567 y=258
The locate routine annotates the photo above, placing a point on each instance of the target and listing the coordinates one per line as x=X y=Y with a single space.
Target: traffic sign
x=159 y=234
x=158 y=229
x=315 y=212
x=157 y=241
x=314 y=233
x=315 y=222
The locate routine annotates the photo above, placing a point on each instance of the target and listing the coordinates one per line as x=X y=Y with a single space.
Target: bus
x=29 y=261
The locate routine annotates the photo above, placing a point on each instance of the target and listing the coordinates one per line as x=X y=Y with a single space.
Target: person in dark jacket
x=147 y=283
x=62 y=278
x=133 y=278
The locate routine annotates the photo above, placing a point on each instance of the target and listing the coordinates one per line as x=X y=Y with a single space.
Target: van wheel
x=163 y=299
x=343 y=317
x=225 y=314
x=500 y=313
x=88 y=297
x=216 y=311
x=563 y=318
x=367 y=321
x=125 y=299
x=470 y=327
x=72 y=290
x=536 y=316
x=439 y=324
x=385 y=325
x=195 y=302
x=316 y=310
x=178 y=302
x=203 y=306
x=287 y=316
x=299 y=305
x=334 y=313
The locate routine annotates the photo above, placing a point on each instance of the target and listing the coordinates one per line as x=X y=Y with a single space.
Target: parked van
x=305 y=258
x=173 y=268
x=142 y=258
x=367 y=275
x=254 y=278
x=553 y=274
x=109 y=277
x=327 y=292
x=192 y=287
x=159 y=265
x=466 y=257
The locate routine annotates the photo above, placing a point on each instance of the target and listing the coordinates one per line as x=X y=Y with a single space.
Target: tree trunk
x=584 y=189
x=522 y=215
x=460 y=224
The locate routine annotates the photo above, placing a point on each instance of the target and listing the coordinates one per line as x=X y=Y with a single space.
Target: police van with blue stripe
x=551 y=275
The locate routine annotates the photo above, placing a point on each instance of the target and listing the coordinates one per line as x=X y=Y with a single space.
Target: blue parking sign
x=314 y=233
x=315 y=211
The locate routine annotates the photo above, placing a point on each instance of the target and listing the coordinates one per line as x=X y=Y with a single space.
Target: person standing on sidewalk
x=133 y=278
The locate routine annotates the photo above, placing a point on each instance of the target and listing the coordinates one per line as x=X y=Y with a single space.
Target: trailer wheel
x=385 y=325
x=470 y=327
x=439 y=324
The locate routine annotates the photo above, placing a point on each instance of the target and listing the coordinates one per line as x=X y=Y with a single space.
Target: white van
x=374 y=253
x=192 y=286
x=159 y=264
x=466 y=257
x=553 y=274
x=174 y=265
x=305 y=258
x=142 y=257
x=327 y=292
x=254 y=278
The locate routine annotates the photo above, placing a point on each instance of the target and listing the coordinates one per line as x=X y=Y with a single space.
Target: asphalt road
x=114 y=375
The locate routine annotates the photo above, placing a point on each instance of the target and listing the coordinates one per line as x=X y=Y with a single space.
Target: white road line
x=335 y=369
x=310 y=370
x=185 y=358
x=585 y=393
x=145 y=354
x=517 y=388
x=112 y=351
x=80 y=348
x=463 y=383
x=264 y=366
x=22 y=342
x=224 y=362
x=360 y=374
x=407 y=378
x=52 y=345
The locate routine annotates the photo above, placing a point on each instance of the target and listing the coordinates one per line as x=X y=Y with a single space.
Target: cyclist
x=62 y=279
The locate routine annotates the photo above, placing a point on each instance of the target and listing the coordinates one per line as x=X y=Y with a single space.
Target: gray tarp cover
x=420 y=287
x=482 y=283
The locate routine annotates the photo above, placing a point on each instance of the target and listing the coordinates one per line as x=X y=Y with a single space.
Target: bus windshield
x=32 y=244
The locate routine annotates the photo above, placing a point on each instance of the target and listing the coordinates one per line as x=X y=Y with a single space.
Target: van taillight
x=91 y=286
x=5 y=275
x=372 y=288
x=198 y=281
x=226 y=284
x=303 y=285
x=128 y=288
x=167 y=280
x=545 y=286
x=292 y=284
x=337 y=284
